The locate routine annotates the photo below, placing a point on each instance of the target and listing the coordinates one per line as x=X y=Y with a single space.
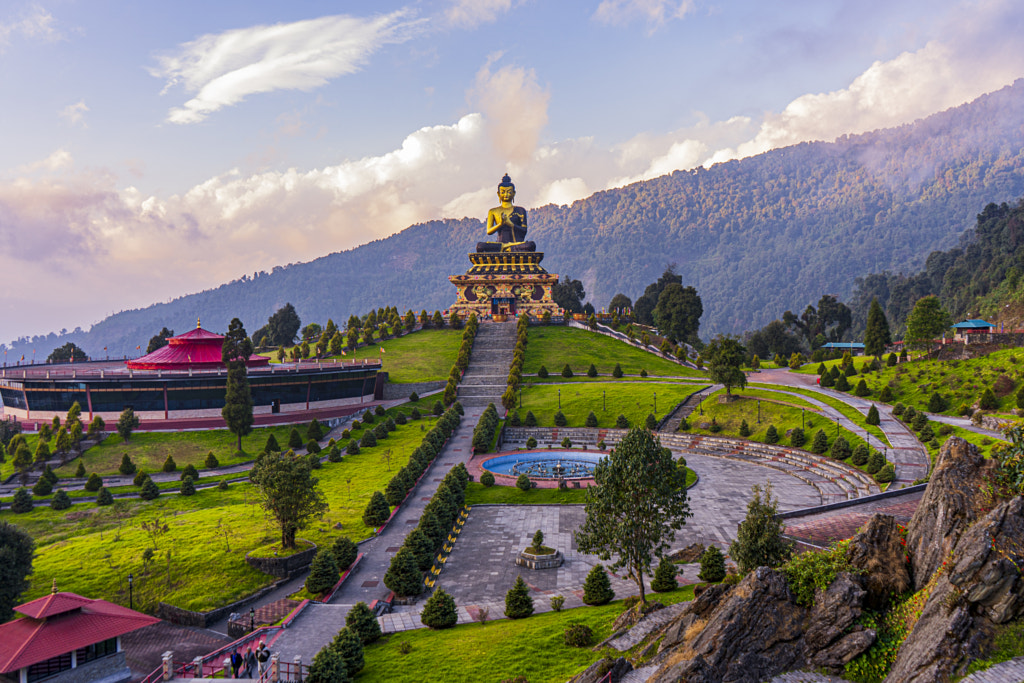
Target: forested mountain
x=755 y=236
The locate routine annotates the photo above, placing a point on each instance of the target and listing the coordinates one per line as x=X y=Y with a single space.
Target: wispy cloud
x=654 y=12
x=472 y=13
x=223 y=69
x=74 y=114
x=34 y=22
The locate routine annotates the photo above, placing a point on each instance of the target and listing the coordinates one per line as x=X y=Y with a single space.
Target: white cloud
x=222 y=69
x=74 y=114
x=35 y=22
x=58 y=160
x=472 y=13
x=515 y=105
x=654 y=12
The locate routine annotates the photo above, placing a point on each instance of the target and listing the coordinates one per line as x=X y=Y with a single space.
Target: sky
x=151 y=150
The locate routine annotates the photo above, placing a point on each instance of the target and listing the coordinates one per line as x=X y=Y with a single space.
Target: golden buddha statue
x=506 y=221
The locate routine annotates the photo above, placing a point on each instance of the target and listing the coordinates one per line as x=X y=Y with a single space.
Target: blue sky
x=156 y=149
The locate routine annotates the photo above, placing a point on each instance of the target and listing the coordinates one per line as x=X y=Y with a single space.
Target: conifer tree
x=872 y=417
x=771 y=435
x=377 y=511
x=22 y=501
x=820 y=443
x=759 y=541
x=350 y=648
x=328 y=667
x=597 y=588
x=61 y=500
x=518 y=603
x=104 y=498
x=665 y=576
x=149 y=490
x=876 y=335
x=345 y=552
x=591 y=419
x=188 y=488
x=363 y=623
x=323 y=574
x=403 y=577
x=439 y=611
x=712 y=565
x=294 y=439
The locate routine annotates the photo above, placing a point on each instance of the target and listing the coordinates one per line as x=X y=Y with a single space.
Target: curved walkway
x=910 y=457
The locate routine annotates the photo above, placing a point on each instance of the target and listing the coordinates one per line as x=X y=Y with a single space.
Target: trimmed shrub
x=621 y=422
x=560 y=420
x=712 y=565
x=314 y=432
x=797 y=437
x=379 y=411
x=188 y=488
x=189 y=471
x=518 y=603
x=771 y=435
x=439 y=611
x=665 y=576
x=334 y=455
x=169 y=465
x=272 y=445
x=886 y=396
x=919 y=421
x=350 y=649
x=438 y=408
x=597 y=589
x=566 y=442
x=61 y=500
x=22 y=501
x=557 y=602
x=223 y=485
x=352 y=448
x=211 y=461
x=363 y=623
x=820 y=443
x=744 y=429
x=578 y=635
x=345 y=552
x=149 y=490
x=140 y=478
x=862 y=389
x=380 y=431
x=886 y=474
x=127 y=466
x=403 y=575
x=323 y=574
x=592 y=371
x=860 y=455
x=487 y=479
x=80 y=472
x=542 y=372
x=566 y=371
x=294 y=439
x=926 y=433
x=531 y=442
x=876 y=461
x=523 y=483
x=414 y=397
x=42 y=487
x=643 y=372
x=95 y=483
x=840 y=449
x=617 y=372
x=369 y=440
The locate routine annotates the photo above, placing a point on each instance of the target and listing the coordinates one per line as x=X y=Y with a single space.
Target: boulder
x=949 y=506
x=599 y=671
x=878 y=550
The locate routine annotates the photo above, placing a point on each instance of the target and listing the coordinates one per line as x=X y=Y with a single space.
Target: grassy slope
x=79 y=546
x=848 y=411
x=631 y=399
x=553 y=347
x=533 y=647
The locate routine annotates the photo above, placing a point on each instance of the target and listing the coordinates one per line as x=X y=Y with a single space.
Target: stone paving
x=824 y=527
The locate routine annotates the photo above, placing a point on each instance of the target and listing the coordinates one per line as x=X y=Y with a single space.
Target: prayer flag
x=382 y=349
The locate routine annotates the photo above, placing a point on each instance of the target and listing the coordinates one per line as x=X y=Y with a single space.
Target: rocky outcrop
x=878 y=552
x=599 y=671
x=950 y=505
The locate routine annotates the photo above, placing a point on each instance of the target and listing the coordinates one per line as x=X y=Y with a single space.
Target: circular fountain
x=545 y=464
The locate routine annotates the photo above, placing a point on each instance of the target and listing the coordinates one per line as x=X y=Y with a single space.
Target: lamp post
x=131 y=596
x=559 y=399
x=655 y=402
x=252 y=619
x=803 y=424
x=758 y=412
x=837 y=427
x=520 y=397
x=604 y=401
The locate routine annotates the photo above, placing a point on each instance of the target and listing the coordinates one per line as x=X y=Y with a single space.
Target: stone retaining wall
x=283 y=567
x=184 y=617
x=393 y=392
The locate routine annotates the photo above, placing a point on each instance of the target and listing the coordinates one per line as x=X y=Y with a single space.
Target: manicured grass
x=848 y=411
x=423 y=356
x=477 y=493
x=731 y=415
x=149 y=450
x=633 y=400
x=553 y=347
x=90 y=552
x=533 y=647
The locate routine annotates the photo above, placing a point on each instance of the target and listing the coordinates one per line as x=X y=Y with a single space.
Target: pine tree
x=842 y=384
x=797 y=438
x=665 y=576
x=518 y=603
x=886 y=396
x=42 y=487
x=530 y=420
x=61 y=500
x=597 y=588
x=328 y=667
x=314 y=431
x=369 y=439
x=188 y=487
x=712 y=565
x=617 y=372
x=295 y=439
x=169 y=465
x=345 y=552
x=876 y=461
x=621 y=422
x=820 y=443
x=560 y=420
x=840 y=449
x=350 y=648
x=149 y=490
x=439 y=611
x=744 y=429
x=759 y=541
x=363 y=623
x=190 y=471
x=872 y=416
x=876 y=335
x=860 y=455
x=94 y=483
x=651 y=422
x=771 y=435
x=272 y=445
x=22 y=501
x=862 y=389
x=323 y=574
x=377 y=511
x=402 y=576
x=591 y=420
x=592 y=371
x=104 y=498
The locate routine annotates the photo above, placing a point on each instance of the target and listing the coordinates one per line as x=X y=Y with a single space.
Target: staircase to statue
x=487 y=375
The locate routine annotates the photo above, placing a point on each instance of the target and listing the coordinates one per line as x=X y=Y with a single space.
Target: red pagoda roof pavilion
x=60 y=623
x=196 y=349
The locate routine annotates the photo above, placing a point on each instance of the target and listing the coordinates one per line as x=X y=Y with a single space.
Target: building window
x=96 y=650
x=50 y=667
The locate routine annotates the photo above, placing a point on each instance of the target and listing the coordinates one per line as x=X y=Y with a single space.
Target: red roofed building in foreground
x=197 y=349
x=64 y=637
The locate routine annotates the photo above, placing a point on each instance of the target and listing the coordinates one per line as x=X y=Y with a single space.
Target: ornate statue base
x=504 y=283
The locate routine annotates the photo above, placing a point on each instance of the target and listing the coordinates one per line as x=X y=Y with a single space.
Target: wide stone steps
x=486 y=376
x=495 y=379
x=481 y=390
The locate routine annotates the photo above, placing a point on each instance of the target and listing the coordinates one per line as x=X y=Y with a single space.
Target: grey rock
x=877 y=550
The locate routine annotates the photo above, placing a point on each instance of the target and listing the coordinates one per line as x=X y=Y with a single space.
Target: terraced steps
x=486 y=376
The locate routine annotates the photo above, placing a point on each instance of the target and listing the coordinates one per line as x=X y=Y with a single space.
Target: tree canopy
x=159 y=340
x=637 y=505
x=677 y=313
x=281 y=327
x=237 y=410
x=724 y=357
x=16 y=550
x=876 y=335
x=569 y=294
x=67 y=353
x=646 y=303
x=288 y=492
x=927 y=321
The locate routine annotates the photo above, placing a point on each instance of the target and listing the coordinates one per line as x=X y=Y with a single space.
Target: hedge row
x=515 y=373
x=483 y=434
x=461 y=361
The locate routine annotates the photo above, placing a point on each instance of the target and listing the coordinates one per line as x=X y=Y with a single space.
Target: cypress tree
x=597 y=589
x=363 y=623
x=377 y=511
x=188 y=488
x=235 y=352
x=422 y=546
x=440 y=611
x=820 y=443
x=402 y=576
x=61 y=500
x=294 y=439
x=350 y=649
x=345 y=552
x=104 y=498
x=518 y=603
x=323 y=574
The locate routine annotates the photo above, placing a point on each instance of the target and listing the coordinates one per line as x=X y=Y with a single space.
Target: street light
x=837 y=427
x=758 y=412
x=131 y=596
x=655 y=402
x=559 y=399
x=604 y=400
x=252 y=619
x=803 y=424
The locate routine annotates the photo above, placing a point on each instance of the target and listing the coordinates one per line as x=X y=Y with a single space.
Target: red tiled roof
x=73 y=622
x=196 y=349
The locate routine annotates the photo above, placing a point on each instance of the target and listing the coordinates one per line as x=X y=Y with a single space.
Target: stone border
x=884 y=495
x=283 y=567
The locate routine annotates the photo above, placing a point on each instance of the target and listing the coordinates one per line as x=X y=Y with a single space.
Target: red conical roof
x=197 y=349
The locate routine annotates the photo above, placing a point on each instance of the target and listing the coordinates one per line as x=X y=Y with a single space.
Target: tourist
x=236 y=663
x=262 y=655
x=250 y=663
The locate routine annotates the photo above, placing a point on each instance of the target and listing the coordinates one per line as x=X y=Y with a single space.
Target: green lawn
x=633 y=400
x=91 y=552
x=477 y=493
x=532 y=648
x=422 y=356
x=731 y=415
x=553 y=347
x=848 y=411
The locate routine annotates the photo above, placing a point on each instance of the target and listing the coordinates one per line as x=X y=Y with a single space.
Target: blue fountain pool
x=545 y=464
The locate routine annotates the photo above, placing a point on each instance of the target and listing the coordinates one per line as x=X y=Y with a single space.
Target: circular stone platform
x=545 y=464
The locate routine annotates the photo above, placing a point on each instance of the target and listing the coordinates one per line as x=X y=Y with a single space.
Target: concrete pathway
x=964 y=423
x=910 y=457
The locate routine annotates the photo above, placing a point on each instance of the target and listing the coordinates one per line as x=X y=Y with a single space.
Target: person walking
x=262 y=656
x=250 y=663
x=236 y=662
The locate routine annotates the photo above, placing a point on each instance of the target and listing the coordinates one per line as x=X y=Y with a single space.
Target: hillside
x=755 y=236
